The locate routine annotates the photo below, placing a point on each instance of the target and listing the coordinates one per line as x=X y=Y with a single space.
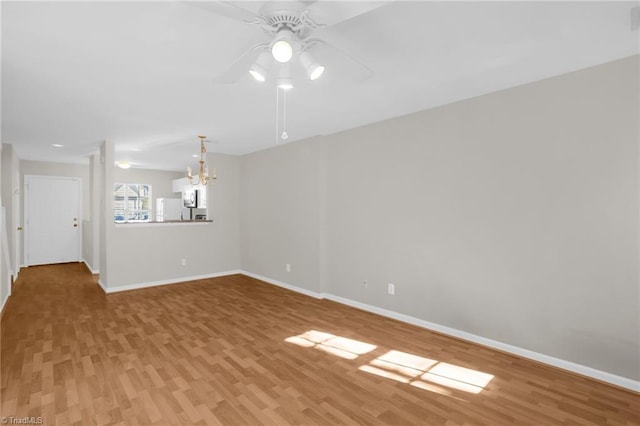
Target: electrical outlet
x=288 y=267
x=183 y=262
x=365 y=284
x=391 y=289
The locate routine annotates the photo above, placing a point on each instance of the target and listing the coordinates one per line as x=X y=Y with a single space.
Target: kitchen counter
x=165 y=222
x=179 y=221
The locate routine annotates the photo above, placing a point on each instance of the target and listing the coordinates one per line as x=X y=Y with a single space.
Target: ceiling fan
x=289 y=26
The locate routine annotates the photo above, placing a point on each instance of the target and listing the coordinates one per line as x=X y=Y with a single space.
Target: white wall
x=512 y=216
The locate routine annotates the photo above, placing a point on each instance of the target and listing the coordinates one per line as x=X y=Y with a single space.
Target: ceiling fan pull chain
x=277 y=115
x=284 y=136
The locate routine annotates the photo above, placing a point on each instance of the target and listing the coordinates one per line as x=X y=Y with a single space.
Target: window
x=132 y=202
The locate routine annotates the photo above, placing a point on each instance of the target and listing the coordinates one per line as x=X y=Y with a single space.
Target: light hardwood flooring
x=236 y=351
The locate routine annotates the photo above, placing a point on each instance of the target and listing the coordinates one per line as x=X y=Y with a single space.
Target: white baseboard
x=4 y=302
x=515 y=350
x=102 y=286
x=583 y=370
x=93 y=271
x=137 y=286
x=603 y=376
x=284 y=285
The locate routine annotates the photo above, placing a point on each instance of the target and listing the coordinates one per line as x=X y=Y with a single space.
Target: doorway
x=52 y=219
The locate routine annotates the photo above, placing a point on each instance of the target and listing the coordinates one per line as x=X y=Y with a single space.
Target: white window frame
x=128 y=212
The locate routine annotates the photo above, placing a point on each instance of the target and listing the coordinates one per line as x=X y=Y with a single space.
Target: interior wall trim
x=178 y=280
x=4 y=304
x=93 y=271
x=583 y=370
x=284 y=285
x=562 y=364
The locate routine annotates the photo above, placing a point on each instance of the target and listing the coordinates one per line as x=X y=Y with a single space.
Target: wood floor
x=236 y=351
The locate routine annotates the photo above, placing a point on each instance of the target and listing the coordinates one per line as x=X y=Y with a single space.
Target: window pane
x=132 y=202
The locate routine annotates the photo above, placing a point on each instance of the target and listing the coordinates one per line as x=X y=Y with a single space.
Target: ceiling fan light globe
x=285 y=77
x=257 y=75
x=285 y=85
x=316 y=72
x=259 y=68
x=282 y=51
x=313 y=69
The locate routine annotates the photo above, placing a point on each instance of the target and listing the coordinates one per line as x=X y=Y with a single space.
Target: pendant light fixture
x=203 y=177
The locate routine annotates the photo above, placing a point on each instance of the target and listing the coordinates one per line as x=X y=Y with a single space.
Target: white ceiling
x=142 y=74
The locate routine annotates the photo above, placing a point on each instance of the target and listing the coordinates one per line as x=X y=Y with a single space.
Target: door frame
x=27 y=180
x=17 y=221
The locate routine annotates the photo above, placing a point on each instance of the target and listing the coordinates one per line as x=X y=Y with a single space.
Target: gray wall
x=160 y=181
x=144 y=253
x=7 y=197
x=512 y=216
x=91 y=240
x=5 y=281
x=282 y=195
x=103 y=176
x=11 y=201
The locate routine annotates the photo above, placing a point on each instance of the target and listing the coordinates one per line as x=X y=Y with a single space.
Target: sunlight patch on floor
x=423 y=373
x=419 y=371
x=384 y=373
x=405 y=360
x=331 y=344
x=457 y=377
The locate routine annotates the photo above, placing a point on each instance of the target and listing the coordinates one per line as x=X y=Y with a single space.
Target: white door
x=52 y=225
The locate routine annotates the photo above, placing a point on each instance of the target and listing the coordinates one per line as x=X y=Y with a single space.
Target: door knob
x=19 y=228
x=75 y=225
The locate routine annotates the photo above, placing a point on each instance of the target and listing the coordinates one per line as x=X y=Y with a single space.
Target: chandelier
x=203 y=177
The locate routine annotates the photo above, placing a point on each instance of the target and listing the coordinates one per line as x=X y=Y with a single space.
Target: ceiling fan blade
x=225 y=8
x=339 y=62
x=169 y=143
x=334 y=12
x=635 y=18
x=241 y=65
x=193 y=142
